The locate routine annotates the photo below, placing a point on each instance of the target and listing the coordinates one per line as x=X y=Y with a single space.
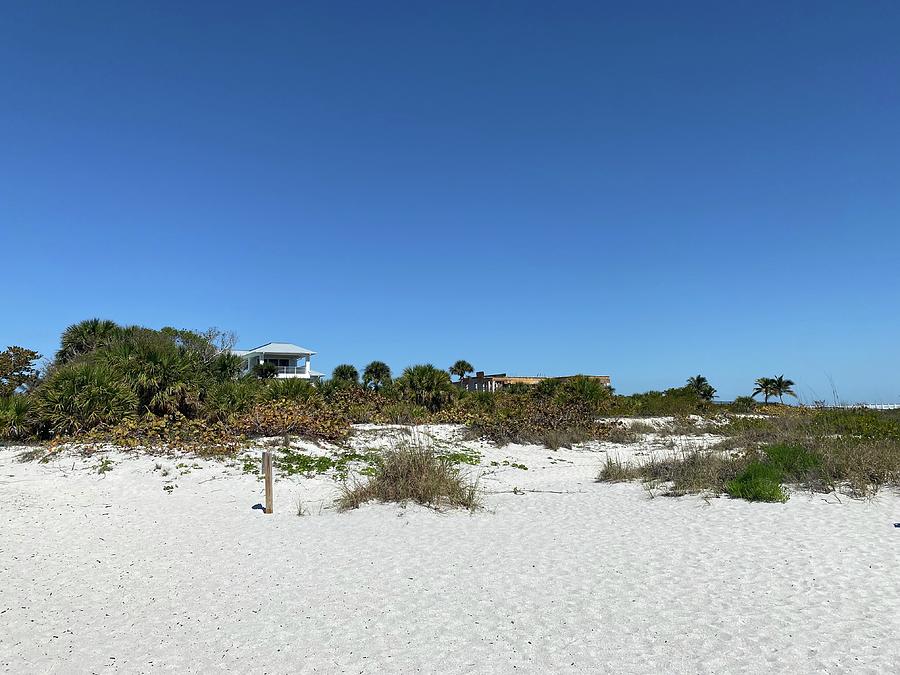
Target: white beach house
x=289 y=360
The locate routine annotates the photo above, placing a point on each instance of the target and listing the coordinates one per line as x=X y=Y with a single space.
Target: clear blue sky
x=646 y=189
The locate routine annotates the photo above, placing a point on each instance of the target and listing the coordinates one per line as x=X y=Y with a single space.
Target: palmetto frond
x=85 y=337
x=427 y=386
x=345 y=373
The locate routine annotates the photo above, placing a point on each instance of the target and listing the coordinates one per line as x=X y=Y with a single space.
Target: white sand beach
x=134 y=571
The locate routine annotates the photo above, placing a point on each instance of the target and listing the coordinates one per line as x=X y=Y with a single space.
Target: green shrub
x=401 y=412
x=293 y=389
x=225 y=367
x=485 y=400
x=225 y=399
x=542 y=390
x=328 y=389
x=167 y=380
x=16 y=420
x=426 y=386
x=759 y=482
x=743 y=404
x=677 y=401
x=283 y=417
x=581 y=389
x=82 y=395
x=523 y=418
x=360 y=405
x=205 y=437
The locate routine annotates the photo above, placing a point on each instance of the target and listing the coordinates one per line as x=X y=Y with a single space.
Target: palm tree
x=377 y=375
x=461 y=368
x=86 y=336
x=702 y=386
x=427 y=386
x=345 y=374
x=782 y=387
x=764 y=386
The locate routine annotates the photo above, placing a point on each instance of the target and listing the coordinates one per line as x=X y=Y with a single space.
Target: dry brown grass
x=641 y=428
x=685 y=472
x=859 y=469
x=416 y=474
x=617 y=471
x=622 y=433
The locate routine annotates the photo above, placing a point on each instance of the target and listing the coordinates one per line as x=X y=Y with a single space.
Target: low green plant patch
x=462 y=457
x=523 y=418
x=795 y=462
x=759 y=482
x=344 y=461
x=289 y=462
x=863 y=424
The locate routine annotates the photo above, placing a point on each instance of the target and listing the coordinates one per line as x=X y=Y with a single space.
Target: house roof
x=277 y=348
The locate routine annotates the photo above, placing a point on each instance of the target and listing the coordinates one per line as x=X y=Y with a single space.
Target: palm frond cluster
x=107 y=374
x=774 y=386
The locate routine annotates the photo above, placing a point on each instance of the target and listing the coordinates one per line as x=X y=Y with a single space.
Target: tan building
x=481 y=382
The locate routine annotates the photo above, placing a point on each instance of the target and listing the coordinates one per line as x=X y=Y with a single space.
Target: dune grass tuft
x=617 y=471
x=417 y=474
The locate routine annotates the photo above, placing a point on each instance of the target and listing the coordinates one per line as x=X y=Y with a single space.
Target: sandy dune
x=114 y=573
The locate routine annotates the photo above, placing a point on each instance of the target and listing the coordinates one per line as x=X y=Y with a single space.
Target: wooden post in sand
x=267 y=471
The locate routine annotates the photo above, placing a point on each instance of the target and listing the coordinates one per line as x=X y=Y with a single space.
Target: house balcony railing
x=292 y=370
